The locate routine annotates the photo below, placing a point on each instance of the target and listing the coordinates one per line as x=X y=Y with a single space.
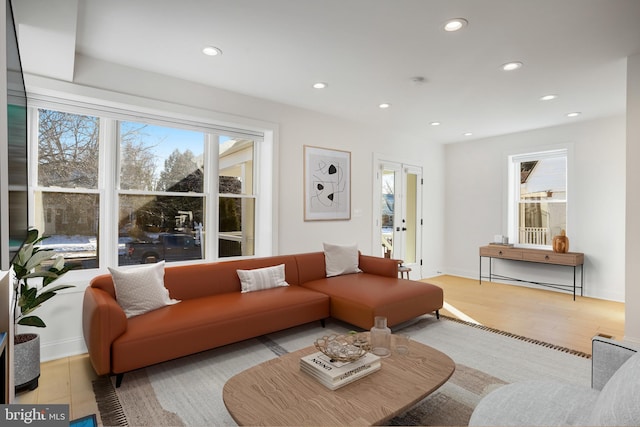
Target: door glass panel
x=398 y=218
x=411 y=219
x=387 y=211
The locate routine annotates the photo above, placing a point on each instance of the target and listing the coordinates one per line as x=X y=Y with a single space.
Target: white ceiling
x=368 y=51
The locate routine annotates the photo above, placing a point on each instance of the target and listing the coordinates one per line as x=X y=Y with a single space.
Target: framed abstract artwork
x=327 y=184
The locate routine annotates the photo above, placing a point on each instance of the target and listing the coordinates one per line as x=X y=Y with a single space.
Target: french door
x=398 y=213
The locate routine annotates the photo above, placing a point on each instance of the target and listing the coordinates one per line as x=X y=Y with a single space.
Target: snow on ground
x=71 y=246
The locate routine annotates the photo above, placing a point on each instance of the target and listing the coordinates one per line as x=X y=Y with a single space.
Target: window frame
x=244 y=195
x=513 y=188
x=34 y=187
x=265 y=151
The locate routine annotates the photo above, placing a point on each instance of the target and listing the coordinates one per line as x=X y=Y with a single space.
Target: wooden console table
x=569 y=259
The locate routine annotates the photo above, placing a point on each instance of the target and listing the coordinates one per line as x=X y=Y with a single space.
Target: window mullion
x=211 y=192
x=108 y=178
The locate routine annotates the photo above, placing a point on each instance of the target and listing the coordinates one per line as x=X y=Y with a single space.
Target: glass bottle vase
x=381 y=337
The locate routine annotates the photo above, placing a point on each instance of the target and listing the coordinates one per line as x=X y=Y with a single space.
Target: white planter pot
x=26 y=352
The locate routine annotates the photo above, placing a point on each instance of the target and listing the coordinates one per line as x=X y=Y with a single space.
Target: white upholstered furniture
x=612 y=400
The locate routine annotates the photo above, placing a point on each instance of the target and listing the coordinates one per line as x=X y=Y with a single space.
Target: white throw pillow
x=340 y=259
x=262 y=278
x=141 y=289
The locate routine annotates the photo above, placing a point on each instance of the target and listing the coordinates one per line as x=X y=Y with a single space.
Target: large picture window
x=108 y=190
x=538 y=189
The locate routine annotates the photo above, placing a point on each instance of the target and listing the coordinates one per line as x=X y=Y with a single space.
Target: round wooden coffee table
x=277 y=392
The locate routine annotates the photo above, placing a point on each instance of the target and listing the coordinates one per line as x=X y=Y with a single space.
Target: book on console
x=506 y=245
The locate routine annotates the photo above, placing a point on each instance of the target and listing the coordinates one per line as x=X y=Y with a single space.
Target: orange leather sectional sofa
x=213 y=312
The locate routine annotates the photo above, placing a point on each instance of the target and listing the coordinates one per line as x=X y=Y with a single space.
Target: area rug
x=188 y=391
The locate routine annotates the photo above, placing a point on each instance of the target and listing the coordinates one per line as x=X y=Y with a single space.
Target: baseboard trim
x=62 y=348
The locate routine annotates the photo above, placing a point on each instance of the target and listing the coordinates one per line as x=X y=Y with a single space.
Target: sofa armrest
x=378 y=265
x=607 y=356
x=103 y=320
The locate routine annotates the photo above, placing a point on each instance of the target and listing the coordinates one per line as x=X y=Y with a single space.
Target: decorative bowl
x=343 y=348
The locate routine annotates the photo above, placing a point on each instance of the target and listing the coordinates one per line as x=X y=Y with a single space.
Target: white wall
x=295 y=127
x=475 y=202
x=632 y=254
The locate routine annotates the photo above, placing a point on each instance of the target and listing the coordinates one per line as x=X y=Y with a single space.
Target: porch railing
x=535 y=235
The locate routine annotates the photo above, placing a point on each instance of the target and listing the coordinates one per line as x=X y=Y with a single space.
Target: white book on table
x=335 y=384
x=332 y=373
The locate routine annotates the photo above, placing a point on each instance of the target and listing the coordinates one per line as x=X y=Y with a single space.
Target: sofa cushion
x=340 y=259
x=618 y=403
x=358 y=298
x=260 y=279
x=199 y=324
x=141 y=289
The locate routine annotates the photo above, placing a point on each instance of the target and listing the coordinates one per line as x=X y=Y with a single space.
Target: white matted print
x=327 y=184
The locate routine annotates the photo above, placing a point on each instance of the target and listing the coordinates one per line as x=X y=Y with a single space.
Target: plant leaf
x=41 y=273
x=32 y=235
x=24 y=254
x=57 y=288
x=38 y=257
x=32 y=321
x=58 y=263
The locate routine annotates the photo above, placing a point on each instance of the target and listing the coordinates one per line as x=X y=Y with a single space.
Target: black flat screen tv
x=17 y=188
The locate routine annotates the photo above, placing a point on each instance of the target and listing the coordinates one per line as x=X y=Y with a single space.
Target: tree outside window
x=66 y=197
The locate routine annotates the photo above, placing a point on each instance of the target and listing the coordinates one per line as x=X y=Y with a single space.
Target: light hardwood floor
x=541 y=314
x=544 y=315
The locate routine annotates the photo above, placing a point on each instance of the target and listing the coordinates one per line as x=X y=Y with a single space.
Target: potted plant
x=32 y=262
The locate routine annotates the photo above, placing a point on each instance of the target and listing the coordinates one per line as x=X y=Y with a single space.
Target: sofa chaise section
x=377 y=291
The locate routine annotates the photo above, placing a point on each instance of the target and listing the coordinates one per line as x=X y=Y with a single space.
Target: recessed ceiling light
x=320 y=85
x=211 y=51
x=384 y=105
x=548 y=97
x=455 y=24
x=467 y=134
x=510 y=66
x=435 y=123
x=574 y=114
